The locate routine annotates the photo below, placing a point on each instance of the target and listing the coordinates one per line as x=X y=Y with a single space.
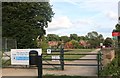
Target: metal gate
x=62 y=59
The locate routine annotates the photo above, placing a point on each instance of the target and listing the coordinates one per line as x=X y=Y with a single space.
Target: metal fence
x=8 y=43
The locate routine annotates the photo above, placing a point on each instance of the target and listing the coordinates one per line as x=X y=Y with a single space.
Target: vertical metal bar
x=15 y=43
x=100 y=60
x=6 y=44
x=40 y=66
x=62 y=58
x=98 y=63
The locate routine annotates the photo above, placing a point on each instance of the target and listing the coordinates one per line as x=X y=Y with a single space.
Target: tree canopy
x=73 y=36
x=64 y=38
x=108 y=42
x=52 y=37
x=25 y=21
x=117 y=27
x=95 y=39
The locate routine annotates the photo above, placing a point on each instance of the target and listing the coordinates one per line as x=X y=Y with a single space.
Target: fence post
x=40 y=66
x=98 y=60
x=62 y=58
x=6 y=45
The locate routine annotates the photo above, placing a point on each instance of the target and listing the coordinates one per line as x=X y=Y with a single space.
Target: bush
x=112 y=69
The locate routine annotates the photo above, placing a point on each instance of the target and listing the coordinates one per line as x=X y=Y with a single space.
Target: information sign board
x=21 y=56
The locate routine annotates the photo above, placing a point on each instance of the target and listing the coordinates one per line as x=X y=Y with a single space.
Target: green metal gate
x=62 y=59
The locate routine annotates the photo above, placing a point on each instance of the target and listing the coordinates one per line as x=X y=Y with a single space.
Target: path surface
x=69 y=70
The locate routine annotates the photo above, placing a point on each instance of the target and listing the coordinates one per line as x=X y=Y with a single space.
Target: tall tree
x=75 y=44
x=25 y=21
x=52 y=37
x=117 y=27
x=65 y=38
x=108 y=42
x=82 y=38
x=74 y=37
x=94 y=38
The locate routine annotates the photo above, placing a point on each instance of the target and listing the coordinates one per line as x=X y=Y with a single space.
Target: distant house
x=84 y=43
x=68 y=45
x=52 y=43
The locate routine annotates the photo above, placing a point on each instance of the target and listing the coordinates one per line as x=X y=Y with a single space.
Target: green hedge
x=112 y=69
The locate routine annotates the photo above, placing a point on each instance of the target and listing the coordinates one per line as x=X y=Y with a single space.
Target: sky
x=83 y=16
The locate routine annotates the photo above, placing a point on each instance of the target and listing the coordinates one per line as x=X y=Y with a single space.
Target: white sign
x=21 y=56
x=55 y=58
x=48 y=51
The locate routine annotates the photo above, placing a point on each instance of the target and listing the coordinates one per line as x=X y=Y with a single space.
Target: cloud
x=111 y=15
x=83 y=22
x=94 y=4
x=84 y=17
x=59 y=23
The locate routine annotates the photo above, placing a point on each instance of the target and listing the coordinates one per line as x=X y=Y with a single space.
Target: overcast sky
x=83 y=16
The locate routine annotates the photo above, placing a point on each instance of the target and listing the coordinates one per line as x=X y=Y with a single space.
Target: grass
x=82 y=50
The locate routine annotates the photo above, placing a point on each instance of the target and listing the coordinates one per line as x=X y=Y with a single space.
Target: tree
x=25 y=21
x=82 y=38
x=52 y=37
x=117 y=27
x=92 y=35
x=74 y=37
x=108 y=42
x=75 y=44
x=43 y=44
x=65 y=38
x=94 y=39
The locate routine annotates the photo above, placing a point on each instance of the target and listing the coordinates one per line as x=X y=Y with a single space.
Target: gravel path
x=69 y=70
